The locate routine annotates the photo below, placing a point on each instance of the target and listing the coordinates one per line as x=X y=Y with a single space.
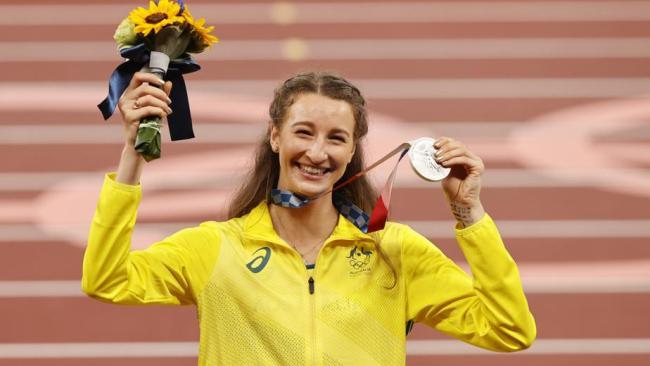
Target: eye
x=339 y=138
x=303 y=132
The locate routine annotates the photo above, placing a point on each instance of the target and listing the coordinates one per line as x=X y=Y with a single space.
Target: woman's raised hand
x=145 y=96
x=463 y=185
x=140 y=99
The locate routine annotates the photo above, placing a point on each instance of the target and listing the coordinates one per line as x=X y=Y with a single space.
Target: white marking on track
x=356 y=49
x=540 y=347
x=495 y=178
x=348 y=12
x=435 y=229
x=580 y=346
x=625 y=276
x=12 y=94
x=571 y=141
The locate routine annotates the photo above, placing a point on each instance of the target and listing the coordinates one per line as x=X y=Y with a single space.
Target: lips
x=312 y=170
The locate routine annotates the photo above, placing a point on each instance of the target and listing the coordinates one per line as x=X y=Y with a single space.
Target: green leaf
x=148 y=141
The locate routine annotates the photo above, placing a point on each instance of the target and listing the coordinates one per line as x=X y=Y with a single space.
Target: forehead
x=322 y=111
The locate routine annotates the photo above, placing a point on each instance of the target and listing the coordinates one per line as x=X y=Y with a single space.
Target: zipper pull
x=311 y=285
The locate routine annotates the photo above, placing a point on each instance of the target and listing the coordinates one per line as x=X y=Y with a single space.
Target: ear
x=274 y=137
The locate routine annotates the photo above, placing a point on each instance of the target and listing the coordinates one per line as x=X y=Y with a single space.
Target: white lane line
x=593 y=346
x=546 y=283
x=110 y=133
x=625 y=276
x=547 y=228
x=435 y=229
x=60 y=288
x=462 y=88
x=494 y=178
x=356 y=49
x=352 y=12
x=99 y=350
x=221 y=132
x=398 y=89
x=580 y=346
x=244 y=132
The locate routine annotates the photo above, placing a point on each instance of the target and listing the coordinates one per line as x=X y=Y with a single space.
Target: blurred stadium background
x=552 y=94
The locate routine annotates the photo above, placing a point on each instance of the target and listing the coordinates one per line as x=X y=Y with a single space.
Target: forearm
x=130 y=167
x=467 y=214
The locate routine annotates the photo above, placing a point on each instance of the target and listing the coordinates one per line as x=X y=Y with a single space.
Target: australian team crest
x=359 y=260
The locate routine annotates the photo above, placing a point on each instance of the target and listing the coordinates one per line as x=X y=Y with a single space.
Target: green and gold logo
x=359 y=260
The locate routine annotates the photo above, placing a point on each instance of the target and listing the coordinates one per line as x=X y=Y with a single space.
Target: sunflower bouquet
x=159 y=40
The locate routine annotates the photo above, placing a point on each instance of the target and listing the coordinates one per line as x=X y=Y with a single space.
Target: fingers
x=451 y=152
x=140 y=113
x=144 y=77
x=143 y=83
x=148 y=100
x=167 y=87
x=145 y=91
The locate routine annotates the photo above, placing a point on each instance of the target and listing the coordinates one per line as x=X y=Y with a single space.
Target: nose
x=316 y=152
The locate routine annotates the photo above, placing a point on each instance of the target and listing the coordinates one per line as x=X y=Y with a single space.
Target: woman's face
x=315 y=143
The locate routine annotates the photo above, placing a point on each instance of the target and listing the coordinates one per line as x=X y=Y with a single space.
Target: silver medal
x=421 y=155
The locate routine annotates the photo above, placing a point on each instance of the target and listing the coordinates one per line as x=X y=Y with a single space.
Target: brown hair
x=263 y=177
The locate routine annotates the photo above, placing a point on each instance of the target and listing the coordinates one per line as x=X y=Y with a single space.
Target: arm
x=172 y=271
x=489 y=310
x=169 y=272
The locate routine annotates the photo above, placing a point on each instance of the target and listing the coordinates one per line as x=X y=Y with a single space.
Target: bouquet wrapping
x=159 y=40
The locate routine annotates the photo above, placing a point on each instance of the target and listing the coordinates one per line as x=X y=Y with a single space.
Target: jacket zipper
x=312 y=305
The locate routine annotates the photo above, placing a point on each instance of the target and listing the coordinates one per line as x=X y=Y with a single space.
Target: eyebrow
x=312 y=124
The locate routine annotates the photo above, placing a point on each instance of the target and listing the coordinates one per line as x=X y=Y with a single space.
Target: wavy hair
x=264 y=175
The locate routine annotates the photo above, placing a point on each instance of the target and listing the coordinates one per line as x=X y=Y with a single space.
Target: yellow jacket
x=258 y=304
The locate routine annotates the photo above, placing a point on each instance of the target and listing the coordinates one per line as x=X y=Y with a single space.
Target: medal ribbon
x=365 y=223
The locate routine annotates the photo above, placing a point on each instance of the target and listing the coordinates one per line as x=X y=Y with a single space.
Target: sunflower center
x=156 y=18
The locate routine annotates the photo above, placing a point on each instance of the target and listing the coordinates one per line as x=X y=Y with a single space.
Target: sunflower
x=198 y=26
x=158 y=15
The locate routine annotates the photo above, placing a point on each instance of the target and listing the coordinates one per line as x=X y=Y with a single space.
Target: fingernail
x=170 y=111
x=169 y=101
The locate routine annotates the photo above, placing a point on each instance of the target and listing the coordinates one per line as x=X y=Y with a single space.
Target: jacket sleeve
x=172 y=271
x=489 y=310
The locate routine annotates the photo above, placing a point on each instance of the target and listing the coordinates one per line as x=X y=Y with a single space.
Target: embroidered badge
x=359 y=260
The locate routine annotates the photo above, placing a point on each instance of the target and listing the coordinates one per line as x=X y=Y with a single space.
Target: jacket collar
x=259 y=226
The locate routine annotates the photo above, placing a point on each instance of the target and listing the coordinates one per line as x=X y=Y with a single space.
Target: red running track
x=578 y=223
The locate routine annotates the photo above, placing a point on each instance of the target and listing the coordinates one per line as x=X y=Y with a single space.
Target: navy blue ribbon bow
x=180 y=122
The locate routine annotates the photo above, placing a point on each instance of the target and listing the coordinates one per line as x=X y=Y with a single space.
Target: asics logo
x=258 y=263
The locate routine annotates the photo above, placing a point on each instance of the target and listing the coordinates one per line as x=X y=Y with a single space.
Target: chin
x=309 y=185
x=310 y=190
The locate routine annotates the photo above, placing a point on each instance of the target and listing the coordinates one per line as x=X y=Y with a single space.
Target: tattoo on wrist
x=463 y=214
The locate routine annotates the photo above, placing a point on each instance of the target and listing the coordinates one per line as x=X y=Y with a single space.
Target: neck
x=306 y=226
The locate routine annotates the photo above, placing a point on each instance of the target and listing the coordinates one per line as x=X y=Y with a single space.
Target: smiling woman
x=285 y=284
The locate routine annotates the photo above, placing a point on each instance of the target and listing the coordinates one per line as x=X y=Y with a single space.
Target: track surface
x=552 y=95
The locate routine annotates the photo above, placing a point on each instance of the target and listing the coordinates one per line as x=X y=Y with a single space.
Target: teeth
x=312 y=170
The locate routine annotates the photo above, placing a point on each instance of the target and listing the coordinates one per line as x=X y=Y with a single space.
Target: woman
x=295 y=286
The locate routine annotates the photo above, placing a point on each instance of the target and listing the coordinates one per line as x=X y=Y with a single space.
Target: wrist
x=130 y=167
x=467 y=214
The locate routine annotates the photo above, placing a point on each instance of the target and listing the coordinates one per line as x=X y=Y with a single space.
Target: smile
x=312 y=170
